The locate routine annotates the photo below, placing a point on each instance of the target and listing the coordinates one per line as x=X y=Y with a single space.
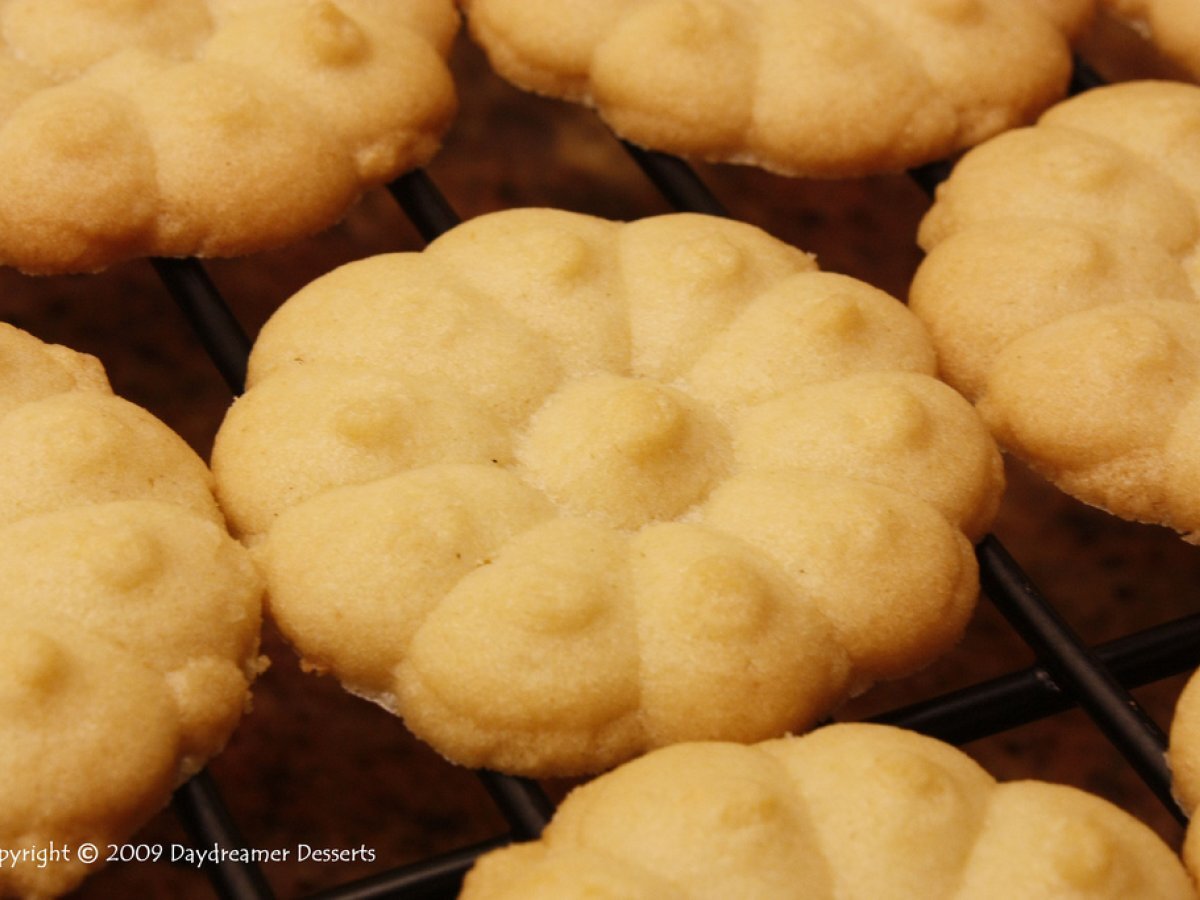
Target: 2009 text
x=88 y=853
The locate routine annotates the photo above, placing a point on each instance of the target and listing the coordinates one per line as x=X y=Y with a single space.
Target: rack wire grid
x=1066 y=673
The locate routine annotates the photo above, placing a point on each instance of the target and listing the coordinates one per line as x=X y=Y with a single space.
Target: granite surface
x=313 y=766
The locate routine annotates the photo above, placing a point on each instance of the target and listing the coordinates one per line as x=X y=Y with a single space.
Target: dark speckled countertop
x=312 y=765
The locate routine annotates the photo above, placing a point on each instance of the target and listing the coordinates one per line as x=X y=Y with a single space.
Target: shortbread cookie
x=206 y=127
x=1184 y=757
x=853 y=811
x=1061 y=287
x=131 y=617
x=800 y=87
x=1172 y=27
x=559 y=489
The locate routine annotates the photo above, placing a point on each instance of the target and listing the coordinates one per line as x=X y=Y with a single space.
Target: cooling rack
x=1068 y=672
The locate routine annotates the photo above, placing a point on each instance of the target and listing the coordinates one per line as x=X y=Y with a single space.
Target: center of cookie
x=625 y=450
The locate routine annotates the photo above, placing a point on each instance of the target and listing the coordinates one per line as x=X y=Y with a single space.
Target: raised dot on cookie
x=643 y=419
x=952 y=10
x=559 y=255
x=1083 y=168
x=123 y=557
x=751 y=806
x=83 y=445
x=373 y=421
x=920 y=777
x=238 y=109
x=892 y=416
x=850 y=43
x=333 y=37
x=34 y=667
x=1140 y=342
x=1082 y=852
x=560 y=609
x=733 y=599
x=1078 y=251
x=712 y=257
x=838 y=317
x=695 y=23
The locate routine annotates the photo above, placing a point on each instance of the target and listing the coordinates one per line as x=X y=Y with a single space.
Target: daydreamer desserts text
x=53 y=852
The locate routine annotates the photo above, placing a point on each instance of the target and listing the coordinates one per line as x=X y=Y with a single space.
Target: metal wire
x=200 y=809
x=1077 y=670
x=424 y=204
x=211 y=319
x=1019 y=698
x=439 y=876
x=522 y=801
x=1068 y=674
x=676 y=181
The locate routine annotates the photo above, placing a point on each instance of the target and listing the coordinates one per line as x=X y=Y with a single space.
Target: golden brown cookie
x=801 y=87
x=560 y=489
x=851 y=811
x=206 y=127
x=1060 y=290
x=131 y=617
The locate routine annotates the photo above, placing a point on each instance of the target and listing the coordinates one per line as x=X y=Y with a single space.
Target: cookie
x=1060 y=290
x=207 y=127
x=799 y=87
x=131 y=616
x=850 y=811
x=559 y=489
x=1183 y=755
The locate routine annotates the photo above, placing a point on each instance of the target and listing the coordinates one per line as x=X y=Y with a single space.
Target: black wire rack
x=1067 y=674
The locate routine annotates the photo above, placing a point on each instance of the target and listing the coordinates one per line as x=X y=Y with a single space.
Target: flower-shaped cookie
x=1061 y=288
x=559 y=489
x=801 y=87
x=131 y=617
x=852 y=811
x=206 y=127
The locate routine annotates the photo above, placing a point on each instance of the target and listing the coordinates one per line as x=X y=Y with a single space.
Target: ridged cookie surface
x=131 y=618
x=559 y=489
x=1060 y=288
x=801 y=87
x=854 y=812
x=206 y=127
